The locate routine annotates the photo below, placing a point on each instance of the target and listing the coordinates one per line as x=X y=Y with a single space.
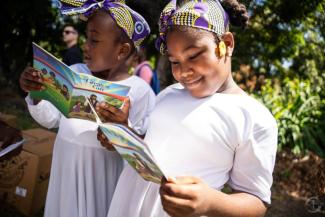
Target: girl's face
x=101 y=48
x=195 y=63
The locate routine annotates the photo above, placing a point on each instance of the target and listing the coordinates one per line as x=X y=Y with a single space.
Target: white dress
x=220 y=139
x=83 y=173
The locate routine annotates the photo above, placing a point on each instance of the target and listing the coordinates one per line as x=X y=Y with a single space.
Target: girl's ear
x=226 y=46
x=124 y=51
x=228 y=39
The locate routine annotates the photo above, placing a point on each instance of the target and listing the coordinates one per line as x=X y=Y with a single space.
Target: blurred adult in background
x=72 y=54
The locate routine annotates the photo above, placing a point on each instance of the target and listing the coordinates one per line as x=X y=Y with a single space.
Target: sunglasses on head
x=67 y=32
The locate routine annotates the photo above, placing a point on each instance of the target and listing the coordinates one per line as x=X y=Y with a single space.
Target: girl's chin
x=101 y=74
x=200 y=94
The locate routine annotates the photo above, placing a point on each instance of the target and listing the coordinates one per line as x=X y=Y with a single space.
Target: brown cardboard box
x=11 y=120
x=24 y=180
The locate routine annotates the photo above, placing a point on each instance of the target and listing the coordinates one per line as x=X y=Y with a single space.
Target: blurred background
x=279 y=59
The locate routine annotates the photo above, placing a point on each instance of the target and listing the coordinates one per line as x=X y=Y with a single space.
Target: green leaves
x=299 y=111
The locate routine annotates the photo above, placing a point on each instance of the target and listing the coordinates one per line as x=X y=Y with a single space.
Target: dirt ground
x=299 y=186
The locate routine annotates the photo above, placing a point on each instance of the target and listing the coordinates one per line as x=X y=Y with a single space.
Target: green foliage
x=300 y=113
x=282 y=35
x=284 y=46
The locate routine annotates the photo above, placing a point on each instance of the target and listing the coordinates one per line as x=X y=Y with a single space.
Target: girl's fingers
x=110 y=147
x=105 y=114
x=174 y=202
x=180 y=191
x=101 y=137
x=30 y=86
x=184 y=180
x=33 y=75
x=109 y=108
x=30 y=80
x=104 y=141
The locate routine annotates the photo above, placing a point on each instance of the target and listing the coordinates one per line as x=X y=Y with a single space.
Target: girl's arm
x=190 y=196
x=251 y=174
x=44 y=113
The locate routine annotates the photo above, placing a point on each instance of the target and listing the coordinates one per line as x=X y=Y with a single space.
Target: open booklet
x=11 y=147
x=68 y=90
x=132 y=148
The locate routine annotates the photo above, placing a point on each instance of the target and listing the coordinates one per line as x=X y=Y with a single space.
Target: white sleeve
x=140 y=109
x=44 y=113
x=254 y=162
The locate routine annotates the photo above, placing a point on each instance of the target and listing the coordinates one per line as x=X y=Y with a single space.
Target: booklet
x=68 y=90
x=11 y=147
x=132 y=149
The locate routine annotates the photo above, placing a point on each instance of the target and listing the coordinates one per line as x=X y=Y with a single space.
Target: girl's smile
x=192 y=83
x=195 y=63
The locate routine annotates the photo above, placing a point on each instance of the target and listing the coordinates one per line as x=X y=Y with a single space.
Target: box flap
x=11 y=120
x=39 y=141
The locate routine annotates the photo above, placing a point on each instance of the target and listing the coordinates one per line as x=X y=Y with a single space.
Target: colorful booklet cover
x=68 y=90
x=132 y=148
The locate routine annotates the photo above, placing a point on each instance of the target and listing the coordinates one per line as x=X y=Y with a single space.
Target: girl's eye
x=91 y=40
x=195 y=56
x=174 y=63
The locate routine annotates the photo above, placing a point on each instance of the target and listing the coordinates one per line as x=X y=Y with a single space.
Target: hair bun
x=237 y=13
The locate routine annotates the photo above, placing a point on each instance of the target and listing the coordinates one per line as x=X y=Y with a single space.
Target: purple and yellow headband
x=132 y=23
x=203 y=14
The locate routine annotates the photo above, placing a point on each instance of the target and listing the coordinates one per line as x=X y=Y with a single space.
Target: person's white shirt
x=83 y=173
x=221 y=139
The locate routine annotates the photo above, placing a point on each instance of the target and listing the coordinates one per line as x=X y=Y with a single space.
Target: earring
x=228 y=54
x=221 y=49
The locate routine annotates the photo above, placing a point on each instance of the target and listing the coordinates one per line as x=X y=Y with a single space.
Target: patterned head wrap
x=204 y=14
x=132 y=23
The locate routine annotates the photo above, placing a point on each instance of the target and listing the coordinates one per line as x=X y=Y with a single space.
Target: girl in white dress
x=83 y=173
x=204 y=132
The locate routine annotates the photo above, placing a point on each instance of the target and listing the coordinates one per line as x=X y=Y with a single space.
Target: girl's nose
x=186 y=72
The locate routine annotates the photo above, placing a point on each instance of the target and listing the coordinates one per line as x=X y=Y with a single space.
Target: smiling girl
x=205 y=131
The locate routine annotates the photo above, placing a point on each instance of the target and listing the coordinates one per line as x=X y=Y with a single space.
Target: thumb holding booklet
x=109 y=113
x=118 y=137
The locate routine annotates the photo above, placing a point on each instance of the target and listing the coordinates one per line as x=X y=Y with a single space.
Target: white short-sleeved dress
x=221 y=139
x=83 y=173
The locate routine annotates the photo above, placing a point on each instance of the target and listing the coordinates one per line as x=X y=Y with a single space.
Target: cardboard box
x=11 y=120
x=24 y=180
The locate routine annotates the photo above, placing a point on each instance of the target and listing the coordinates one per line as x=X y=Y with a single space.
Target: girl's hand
x=31 y=79
x=104 y=141
x=112 y=114
x=184 y=196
